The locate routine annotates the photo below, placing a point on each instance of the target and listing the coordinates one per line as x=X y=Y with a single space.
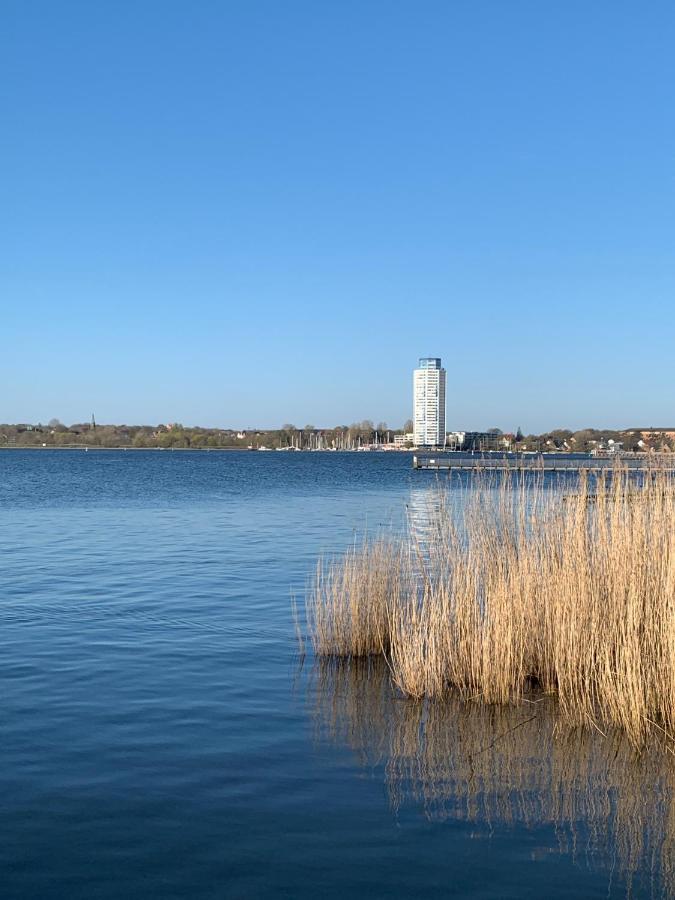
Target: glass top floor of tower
x=429 y=362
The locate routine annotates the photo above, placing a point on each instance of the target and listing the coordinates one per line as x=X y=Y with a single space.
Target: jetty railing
x=541 y=463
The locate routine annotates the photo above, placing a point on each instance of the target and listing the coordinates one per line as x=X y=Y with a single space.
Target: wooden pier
x=543 y=463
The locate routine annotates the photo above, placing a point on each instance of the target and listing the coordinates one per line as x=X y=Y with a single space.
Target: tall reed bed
x=511 y=582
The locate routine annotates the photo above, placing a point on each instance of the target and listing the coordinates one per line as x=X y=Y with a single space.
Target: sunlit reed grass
x=516 y=583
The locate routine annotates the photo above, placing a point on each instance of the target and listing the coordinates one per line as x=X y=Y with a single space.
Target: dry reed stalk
x=347 y=608
x=521 y=584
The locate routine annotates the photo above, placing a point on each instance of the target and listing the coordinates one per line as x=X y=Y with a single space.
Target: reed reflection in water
x=611 y=807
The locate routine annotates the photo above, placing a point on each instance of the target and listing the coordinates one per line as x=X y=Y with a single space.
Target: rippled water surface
x=160 y=738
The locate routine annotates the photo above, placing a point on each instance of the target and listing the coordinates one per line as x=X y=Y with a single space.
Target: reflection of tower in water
x=424 y=507
x=507 y=765
x=434 y=516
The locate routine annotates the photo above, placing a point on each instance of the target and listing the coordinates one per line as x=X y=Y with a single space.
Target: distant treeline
x=340 y=437
x=175 y=435
x=588 y=439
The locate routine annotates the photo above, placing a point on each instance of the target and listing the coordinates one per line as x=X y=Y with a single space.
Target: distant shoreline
x=92 y=447
x=135 y=449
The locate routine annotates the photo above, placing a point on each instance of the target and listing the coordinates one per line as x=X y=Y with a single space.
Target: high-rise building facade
x=429 y=403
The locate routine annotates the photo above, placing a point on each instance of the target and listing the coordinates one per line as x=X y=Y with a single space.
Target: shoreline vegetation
x=358 y=435
x=510 y=589
x=175 y=436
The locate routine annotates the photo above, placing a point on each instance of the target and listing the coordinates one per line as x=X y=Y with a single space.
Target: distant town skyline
x=276 y=228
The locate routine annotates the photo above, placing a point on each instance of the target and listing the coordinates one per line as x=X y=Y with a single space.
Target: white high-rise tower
x=429 y=403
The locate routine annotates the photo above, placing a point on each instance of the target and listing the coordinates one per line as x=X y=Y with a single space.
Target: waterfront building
x=429 y=403
x=476 y=440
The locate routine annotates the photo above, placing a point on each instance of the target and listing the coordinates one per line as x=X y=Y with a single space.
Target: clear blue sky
x=254 y=212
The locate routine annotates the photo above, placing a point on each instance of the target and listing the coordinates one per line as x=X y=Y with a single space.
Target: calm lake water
x=159 y=736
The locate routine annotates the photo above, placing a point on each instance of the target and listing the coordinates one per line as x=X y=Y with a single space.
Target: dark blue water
x=159 y=736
